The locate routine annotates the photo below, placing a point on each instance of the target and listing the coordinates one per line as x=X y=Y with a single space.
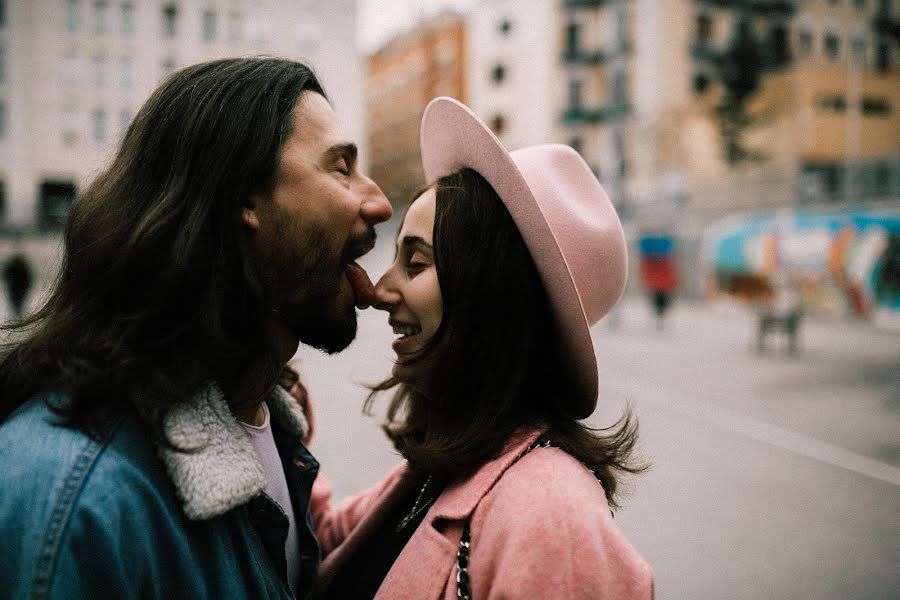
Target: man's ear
x=249 y=216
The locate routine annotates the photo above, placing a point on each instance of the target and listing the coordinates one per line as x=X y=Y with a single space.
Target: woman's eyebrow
x=415 y=241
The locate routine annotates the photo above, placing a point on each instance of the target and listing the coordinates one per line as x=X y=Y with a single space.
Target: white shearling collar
x=217 y=468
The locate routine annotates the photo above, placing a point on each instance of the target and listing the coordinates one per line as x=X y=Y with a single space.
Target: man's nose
x=375 y=206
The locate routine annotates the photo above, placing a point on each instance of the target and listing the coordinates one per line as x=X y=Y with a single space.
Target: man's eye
x=342 y=168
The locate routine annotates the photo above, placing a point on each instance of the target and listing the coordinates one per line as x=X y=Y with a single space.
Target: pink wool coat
x=540 y=528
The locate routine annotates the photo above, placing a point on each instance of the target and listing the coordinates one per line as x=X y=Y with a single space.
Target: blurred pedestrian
x=18 y=279
x=659 y=273
x=504 y=493
x=147 y=450
x=781 y=311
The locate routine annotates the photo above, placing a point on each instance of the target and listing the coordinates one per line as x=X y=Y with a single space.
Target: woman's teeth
x=405 y=331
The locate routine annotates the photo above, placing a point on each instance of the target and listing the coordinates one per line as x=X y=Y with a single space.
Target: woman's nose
x=386 y=296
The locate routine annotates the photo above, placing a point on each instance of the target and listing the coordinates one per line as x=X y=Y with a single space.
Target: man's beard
x=305 y=288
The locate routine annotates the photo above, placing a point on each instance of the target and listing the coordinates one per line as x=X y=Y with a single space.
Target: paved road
x=773 y=476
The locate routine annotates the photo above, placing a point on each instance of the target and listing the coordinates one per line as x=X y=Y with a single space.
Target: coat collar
x=425 y=563
x=460 y=499
x=212 y=461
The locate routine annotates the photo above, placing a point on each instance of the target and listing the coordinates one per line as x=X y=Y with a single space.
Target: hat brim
x=454 y=138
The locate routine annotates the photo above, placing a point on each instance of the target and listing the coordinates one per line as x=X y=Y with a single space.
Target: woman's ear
x=248 y=214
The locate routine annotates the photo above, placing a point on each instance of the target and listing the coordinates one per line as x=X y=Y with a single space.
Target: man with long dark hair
x=138 y=455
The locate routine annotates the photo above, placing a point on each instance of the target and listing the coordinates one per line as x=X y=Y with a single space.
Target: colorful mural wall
x=843 y=262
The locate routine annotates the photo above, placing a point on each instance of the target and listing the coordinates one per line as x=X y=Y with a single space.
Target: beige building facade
x=74 y=72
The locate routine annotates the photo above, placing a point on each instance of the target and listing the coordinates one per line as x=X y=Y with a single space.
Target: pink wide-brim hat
x=566 y=219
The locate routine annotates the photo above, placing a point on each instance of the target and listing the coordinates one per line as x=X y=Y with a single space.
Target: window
x=170 y=20
x=704 y=29
x=2 y=203
x=2 y=119
x=833 y=102
x=619 y=151
x=2 y=13
x=882 y=178
x=128 y=19
x=620 y=93
x=876 y=106
x=100 y=14
x=575 y=92
x=505 y=26
x=100 y=71
x=72 y=15
x=701 y=83
x=56 y=199
x=883 y=56
x=572 y=34
x=831 y=179
x=859 y=4
x=832 y=46
x=70 y=69
x=127 y=72
x=2 y=63
x=209 y=25
x=805 y=42
x=70 y=125
x=778 y=45
x=498 y=124
x=859 y=50
x=498 y=74
x=99 y=125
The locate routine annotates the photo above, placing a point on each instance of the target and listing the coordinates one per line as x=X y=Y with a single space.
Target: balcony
x=766 y=7
x=582 y=114
x=573 y=55
x=583 y=3
x=577 y=56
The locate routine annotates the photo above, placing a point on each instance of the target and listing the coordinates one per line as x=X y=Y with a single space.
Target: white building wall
x=59 y=79
x=529 y=97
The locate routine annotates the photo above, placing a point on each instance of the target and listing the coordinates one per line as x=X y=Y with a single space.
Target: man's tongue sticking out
x=361 y=284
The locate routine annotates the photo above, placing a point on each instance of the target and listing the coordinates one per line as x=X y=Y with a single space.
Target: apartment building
x=74 y=72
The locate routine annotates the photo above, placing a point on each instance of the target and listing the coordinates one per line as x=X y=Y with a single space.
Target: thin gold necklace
x=416 y=509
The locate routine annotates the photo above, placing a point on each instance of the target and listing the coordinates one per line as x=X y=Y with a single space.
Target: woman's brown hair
x=496 y=362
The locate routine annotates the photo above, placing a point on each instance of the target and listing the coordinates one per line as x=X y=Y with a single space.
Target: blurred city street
x=774 y=476
x=751 y=149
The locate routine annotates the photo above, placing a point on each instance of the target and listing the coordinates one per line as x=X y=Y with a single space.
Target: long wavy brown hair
x=496 y=362
x=157 y=293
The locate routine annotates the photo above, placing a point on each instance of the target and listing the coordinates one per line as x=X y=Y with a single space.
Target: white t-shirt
x=276 y=488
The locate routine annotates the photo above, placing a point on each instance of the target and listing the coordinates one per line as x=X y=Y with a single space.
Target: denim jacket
x=126 y=518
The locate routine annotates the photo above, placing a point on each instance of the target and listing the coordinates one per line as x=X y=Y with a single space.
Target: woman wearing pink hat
x=503 y=263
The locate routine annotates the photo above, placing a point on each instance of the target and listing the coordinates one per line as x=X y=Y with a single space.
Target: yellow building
x=825 y=125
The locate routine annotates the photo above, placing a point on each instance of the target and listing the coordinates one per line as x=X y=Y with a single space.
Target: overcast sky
x=379 y=20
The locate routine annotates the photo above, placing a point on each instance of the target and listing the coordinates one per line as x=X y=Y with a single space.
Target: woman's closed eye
x=416 y=263
x=414 y=267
